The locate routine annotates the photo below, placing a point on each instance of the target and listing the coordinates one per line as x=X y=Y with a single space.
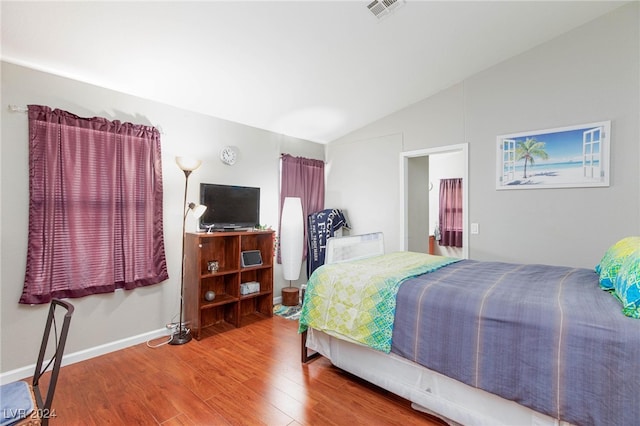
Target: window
x=95 y=206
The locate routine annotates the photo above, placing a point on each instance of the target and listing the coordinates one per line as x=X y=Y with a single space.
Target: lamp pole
x=183 y=336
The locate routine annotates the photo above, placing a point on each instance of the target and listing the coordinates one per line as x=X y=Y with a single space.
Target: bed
x=478 y=343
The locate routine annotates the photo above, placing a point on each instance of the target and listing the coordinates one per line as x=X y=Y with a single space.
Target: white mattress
x=431 y=392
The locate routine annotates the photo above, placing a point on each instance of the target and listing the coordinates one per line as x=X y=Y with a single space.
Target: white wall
x=366 y=164
x=123 y=316
x=586 y=75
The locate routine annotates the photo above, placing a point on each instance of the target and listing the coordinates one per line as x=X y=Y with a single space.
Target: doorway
x=412 y=195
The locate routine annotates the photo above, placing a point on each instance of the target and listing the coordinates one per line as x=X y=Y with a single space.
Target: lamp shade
x=197 y=210
x=291 y=238
x=188 y=164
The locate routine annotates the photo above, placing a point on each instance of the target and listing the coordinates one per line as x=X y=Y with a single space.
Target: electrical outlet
x=475 y=228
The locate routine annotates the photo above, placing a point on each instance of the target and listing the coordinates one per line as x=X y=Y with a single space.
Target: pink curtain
x=451 y=212
x=95 y=206
x=304 y=178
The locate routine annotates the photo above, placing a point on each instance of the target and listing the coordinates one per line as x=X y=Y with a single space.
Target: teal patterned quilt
x=356 y=300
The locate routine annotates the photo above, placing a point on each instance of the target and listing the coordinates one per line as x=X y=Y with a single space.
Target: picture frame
x=251 y=258
x=564 y=157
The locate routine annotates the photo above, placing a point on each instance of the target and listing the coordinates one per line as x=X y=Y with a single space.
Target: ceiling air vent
x=381 y=8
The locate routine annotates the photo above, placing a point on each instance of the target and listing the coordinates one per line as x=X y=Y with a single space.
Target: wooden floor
x=246 y=376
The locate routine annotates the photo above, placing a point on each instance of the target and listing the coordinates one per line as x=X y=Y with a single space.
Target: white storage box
x=249 y=287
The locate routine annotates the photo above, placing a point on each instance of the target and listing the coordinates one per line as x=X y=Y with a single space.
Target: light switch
x=475 y=228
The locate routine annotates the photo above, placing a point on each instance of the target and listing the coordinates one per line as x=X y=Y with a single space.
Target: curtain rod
x=24 y=110
x=18 y=108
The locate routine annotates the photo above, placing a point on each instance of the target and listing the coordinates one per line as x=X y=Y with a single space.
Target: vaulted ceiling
x=315 y=70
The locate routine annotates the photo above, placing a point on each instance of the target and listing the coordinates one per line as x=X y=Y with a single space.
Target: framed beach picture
x=566 y=157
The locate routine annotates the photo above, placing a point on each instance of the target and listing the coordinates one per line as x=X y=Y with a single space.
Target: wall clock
x=228 y=155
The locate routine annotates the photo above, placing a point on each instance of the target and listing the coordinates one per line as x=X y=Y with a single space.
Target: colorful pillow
x=613 y=259
x=627 y=285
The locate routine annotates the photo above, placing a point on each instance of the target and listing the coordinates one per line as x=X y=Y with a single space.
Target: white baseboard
x=72 y=358
x=277 y=300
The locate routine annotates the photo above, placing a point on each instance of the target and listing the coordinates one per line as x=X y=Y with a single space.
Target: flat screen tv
x=229 y=207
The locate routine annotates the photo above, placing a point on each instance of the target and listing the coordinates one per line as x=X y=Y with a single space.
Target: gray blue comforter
x=544 y=336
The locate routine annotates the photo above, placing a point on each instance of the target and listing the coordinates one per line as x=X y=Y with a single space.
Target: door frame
x=404 y=190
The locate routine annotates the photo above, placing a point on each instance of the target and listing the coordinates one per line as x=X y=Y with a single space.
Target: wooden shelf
x=252 y=295
x=229 y=309
x=221 y=299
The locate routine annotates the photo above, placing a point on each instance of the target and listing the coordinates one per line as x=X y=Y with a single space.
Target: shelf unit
x=228 y=307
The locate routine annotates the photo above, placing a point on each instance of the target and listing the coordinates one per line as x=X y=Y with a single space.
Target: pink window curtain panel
x=451 y=212
x=304 y=178
x=95 y=206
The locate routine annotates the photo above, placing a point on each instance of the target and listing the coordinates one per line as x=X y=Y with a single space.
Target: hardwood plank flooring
x=246 y=376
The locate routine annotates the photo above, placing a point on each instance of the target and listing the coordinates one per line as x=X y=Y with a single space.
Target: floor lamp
x=291 y=245
x=187 y=165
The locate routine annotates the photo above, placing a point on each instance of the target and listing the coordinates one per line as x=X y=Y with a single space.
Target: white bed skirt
x=430 y=392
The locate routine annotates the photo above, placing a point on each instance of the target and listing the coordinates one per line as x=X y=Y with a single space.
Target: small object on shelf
x=210 y=295
x=212 y=266
x=249 y=287
x=251 y=258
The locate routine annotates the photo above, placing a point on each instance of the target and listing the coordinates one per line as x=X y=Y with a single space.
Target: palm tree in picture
x=529 y=149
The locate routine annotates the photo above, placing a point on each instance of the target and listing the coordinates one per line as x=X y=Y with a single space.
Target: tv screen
x=229 y=206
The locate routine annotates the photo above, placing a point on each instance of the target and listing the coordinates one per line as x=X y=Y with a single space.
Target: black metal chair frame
x=42 y=403
x=43 y=406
